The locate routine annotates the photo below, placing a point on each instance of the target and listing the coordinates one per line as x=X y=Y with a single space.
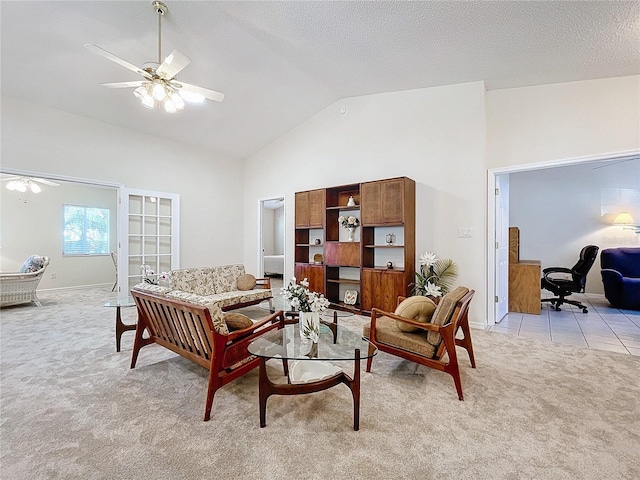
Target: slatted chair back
x=184 y=328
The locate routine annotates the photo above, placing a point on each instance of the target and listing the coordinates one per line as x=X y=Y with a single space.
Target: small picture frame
x=350 y=297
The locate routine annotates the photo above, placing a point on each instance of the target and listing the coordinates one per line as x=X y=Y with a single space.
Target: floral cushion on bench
x=195 y=280
x=225 y=277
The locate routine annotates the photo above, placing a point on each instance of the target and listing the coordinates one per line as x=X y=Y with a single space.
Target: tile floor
x=602 y=328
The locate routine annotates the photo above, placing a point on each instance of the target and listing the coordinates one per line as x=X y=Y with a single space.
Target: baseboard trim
x=74 y=287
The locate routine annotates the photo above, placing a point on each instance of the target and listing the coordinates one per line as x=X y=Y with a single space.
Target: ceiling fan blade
x=46 y=182
x=205 y=92
x=124 y=84
x=101 y=51
x=6 y=179
x=172 y=65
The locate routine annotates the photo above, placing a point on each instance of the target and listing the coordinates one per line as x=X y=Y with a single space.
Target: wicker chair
x=20 y=287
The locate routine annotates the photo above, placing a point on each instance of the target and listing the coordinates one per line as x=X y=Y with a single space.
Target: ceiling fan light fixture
x=160 y=84
x=159 y=92
x=35 y=188
x=169 y=107
x=177 y=100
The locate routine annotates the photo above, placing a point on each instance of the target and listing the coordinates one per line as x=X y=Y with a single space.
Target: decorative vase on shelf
x=351 y=202
x=309 y=325
x=352 y=231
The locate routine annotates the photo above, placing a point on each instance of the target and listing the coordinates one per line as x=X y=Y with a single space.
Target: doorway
x=272 y=237
x=497 y=227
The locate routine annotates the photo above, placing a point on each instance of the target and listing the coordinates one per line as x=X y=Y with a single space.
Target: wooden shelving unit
x=383 y=207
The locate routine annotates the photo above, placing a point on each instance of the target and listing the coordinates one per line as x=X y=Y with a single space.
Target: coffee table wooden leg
x=355 y=390
x=264 y=390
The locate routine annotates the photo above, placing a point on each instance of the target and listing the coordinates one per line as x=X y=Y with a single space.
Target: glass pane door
x=149 y=234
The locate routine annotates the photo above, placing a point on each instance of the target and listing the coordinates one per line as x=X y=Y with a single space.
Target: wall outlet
x=53 y=276
x=464 y=232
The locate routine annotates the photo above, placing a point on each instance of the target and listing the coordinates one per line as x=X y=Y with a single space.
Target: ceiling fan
x=22 y=184
x=160 y=83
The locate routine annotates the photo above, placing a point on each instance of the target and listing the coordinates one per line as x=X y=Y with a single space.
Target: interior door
x=149 y=234
x=502 y=246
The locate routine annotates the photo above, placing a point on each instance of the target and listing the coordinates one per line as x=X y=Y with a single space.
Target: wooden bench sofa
x=227 y=285
x=200 y=334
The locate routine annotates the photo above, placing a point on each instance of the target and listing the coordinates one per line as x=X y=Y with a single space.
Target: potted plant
x=435 y=276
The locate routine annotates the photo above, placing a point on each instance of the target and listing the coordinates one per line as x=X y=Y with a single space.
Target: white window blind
x=85 y=230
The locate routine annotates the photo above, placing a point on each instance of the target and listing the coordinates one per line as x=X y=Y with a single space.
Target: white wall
x=268 y=231
x=273 y=235
x=279 y=231
x=435 y=136
x=35 y=228
x=559 y=211
x=564 y=120
x=40 y=139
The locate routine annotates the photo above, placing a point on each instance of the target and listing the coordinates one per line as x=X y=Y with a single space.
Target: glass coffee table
x=329 y=317
x=309 y=366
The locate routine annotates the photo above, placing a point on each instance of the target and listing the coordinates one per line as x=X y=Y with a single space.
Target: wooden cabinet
x=313 y=273
x=386 y=209
x=310 y=209
x=524 y=287
x=381 y=288
x=383 y=202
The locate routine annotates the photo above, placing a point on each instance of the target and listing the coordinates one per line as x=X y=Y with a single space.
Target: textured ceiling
x=279 y=63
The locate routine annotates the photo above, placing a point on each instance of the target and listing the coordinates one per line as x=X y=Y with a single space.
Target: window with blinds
x=85 y=230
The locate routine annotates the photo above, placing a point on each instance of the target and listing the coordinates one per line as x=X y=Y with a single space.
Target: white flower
x=427 y=259
x=302 y=299
x=352 y=219
x=341 y=219
x=432 y=290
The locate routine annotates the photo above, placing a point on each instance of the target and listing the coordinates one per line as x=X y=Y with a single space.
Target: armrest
x=279 y=315
x=263 y=283
x=556 y=270
x=20 y=275
x=429 y=327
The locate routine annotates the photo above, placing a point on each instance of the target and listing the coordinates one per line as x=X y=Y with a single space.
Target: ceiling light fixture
x=160 y=86
x=22 y=184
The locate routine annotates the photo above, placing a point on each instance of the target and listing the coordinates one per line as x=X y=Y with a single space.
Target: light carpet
x=71 y=408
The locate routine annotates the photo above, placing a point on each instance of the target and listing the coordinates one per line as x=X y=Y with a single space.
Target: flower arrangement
x=435 y=277
x=148 y=275
x=348 y=222
x=302 y=299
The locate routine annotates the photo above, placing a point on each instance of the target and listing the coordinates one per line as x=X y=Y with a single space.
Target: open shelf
x=383 y=246
x=344 y=280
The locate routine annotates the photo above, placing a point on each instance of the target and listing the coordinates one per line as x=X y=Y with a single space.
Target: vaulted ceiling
x=279 y=63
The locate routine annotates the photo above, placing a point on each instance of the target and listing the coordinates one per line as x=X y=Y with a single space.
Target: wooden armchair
x=199 y=333
x=432 y=341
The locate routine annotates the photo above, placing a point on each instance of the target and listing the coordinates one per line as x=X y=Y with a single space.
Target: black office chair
x=563 y=287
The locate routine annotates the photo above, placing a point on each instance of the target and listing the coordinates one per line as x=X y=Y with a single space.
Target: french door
x=149 y=234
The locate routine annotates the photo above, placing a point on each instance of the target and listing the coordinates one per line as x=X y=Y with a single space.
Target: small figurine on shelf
x=351 y=202
x=390 y=238
x=390 y=265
